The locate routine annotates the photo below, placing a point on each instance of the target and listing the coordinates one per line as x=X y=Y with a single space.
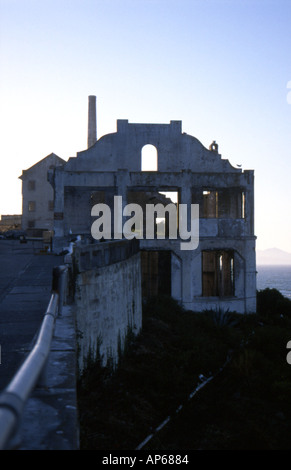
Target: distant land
x=273 y=256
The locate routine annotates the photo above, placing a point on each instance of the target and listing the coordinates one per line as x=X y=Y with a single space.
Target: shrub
x=271 y=302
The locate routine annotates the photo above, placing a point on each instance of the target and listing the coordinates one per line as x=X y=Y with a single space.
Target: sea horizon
x=275 y=276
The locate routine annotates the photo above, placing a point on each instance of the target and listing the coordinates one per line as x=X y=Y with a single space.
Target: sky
x=222 y=67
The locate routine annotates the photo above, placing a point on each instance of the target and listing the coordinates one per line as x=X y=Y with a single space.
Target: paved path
x=50 y=418
x=25 y=289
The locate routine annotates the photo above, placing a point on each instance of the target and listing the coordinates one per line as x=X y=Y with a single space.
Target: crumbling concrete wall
x=107 y=298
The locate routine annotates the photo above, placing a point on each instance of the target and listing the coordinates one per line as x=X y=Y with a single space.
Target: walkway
x=50 y=418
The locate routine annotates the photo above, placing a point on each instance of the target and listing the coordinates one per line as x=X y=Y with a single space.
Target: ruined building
x=221 y=271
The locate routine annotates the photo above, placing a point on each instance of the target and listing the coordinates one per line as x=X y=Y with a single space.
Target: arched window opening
x=149 y=158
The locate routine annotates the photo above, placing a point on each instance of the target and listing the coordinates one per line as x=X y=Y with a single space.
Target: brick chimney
x=92 y=126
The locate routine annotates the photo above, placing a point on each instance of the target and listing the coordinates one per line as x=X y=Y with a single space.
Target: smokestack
x=92 y=126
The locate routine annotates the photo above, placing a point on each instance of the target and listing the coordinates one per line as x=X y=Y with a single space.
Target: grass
x=246 y=406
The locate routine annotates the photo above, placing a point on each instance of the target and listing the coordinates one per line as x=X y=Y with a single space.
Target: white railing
x=33 y=370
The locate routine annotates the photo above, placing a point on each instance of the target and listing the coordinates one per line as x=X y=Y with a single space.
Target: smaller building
x=10 y=222
x=38 y=196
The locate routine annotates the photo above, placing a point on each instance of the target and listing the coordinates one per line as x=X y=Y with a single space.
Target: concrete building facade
x=38 y=196
x=221 y=271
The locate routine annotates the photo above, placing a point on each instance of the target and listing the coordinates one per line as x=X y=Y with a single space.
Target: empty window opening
x=171 y=197
x=225 y=203
x=217 y=273
x=210 y=204
x=156 y=273
x=97 y=197
x=230 y=203
x=164 y=221
x=31 y=223
x=243 y=201
x=104 y=198
x=31 y=185
x=31 y=206
x=149 y=158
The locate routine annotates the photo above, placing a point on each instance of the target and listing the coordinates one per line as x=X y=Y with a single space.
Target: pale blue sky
x=220 y=66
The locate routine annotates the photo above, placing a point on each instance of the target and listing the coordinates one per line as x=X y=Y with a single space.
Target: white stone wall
x=107 y=303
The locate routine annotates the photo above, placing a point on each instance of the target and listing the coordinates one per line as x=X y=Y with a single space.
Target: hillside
x=273 y=256
x=244 y=406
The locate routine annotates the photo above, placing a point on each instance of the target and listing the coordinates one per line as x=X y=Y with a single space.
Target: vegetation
x=245 y=406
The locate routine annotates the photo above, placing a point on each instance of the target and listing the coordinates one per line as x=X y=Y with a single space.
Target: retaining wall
x=108 y=298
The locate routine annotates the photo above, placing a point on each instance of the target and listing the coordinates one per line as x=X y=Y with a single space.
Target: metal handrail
x=16 y=394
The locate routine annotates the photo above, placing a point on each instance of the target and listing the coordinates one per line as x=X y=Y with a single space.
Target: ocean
x=275 y=277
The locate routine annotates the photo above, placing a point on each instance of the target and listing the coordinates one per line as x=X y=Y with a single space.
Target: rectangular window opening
x=165 y=222
x=224 y=203
x=210 y=204
x=31 y=206
x=243 y=201
x=31 y=224
x=156 y=273
x=217 y=273
x=31 y=185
